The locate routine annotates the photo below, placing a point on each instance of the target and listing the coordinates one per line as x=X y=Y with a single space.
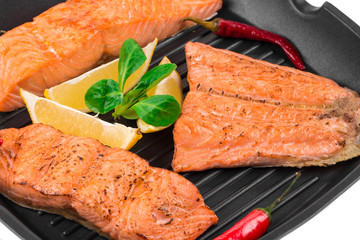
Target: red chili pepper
x=227 y=28
x=256 y=222
x=1 y=142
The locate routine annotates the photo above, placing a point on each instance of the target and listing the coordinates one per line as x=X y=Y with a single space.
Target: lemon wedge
x=171 y=85
x=72 y=93
x=72 y=121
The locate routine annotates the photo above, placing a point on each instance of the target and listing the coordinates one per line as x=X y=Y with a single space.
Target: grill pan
x=328 y=42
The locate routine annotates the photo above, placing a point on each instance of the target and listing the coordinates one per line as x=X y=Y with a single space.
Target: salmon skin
x=246 y=112
x=110 y=190
x=69 y=38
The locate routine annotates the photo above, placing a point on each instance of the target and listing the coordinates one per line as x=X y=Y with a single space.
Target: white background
x=339 y=220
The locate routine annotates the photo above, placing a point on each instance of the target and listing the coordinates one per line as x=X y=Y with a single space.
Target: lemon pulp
x=72 y=121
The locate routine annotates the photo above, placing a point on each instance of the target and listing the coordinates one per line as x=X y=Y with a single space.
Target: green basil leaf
x=154 y=76
x=158 y=110
x=149 y=80
x=128 y=101
x=131 y=58
x=130 y=114
x=103 y=96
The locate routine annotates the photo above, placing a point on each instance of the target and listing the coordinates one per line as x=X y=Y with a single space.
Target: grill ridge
x=40 y=212
x=164 y=150
x=266 y=54
x=216 y=189
x=157 y=137
x=90 y=235
x=56 y=220
x=76 y=226
x=240 y=192
x=207 y=178
x=280 y=61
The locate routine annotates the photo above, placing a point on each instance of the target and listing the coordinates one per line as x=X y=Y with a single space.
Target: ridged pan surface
x=231 y=193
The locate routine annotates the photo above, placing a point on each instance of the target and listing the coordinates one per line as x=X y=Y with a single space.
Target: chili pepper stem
x=211 y=25
x=269 y=208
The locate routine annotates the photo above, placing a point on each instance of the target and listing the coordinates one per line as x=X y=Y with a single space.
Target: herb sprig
x=107 y=94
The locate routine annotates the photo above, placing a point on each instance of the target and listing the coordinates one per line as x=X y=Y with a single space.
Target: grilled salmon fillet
x=69 y=38
x=246 y=112
x=106 y=189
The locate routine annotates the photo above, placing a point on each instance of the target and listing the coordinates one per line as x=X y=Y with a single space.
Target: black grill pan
x=328 y=42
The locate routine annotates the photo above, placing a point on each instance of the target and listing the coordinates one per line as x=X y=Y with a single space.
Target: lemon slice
x=72 y=121
x=171 y=85
x=72 y=93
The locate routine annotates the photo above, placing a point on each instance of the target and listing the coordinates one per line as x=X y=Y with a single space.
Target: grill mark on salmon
x=110 y=190
x=70 y=38
x=246 y=112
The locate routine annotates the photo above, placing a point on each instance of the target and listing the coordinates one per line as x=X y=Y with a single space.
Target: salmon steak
x=71 y=37
x=110 y=190
x=246 y=112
